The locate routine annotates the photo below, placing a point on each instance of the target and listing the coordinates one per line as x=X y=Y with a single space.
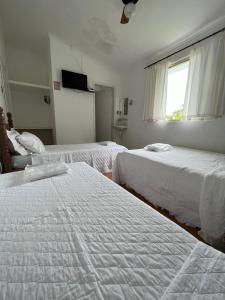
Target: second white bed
x=172 y=180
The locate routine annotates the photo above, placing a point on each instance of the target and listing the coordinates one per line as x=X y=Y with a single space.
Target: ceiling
x=94 y=25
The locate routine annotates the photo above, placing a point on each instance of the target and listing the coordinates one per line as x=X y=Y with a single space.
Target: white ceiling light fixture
x=128 y=10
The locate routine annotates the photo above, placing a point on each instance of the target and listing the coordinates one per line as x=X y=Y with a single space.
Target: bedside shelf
x=29 y=85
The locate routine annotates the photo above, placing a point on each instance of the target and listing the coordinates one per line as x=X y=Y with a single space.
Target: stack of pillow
x=25 y=143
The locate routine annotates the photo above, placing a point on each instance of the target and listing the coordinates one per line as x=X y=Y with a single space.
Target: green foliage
x=177 y=115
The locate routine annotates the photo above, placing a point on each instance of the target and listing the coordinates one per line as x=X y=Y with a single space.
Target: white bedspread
x=98 y=156
x=80 y=236
x=212 y=208
x=11 y=179
x=172 y=180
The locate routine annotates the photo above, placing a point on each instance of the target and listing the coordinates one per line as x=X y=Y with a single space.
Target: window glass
x=177 y=83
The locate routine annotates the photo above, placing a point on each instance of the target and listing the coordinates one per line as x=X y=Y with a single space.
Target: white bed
x=81 y=236
x=98 y=156
x=173 y=180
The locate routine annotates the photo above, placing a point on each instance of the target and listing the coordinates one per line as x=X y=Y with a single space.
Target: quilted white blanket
x=187 y=182
x=80 y=236
x=212 y=208
x=98 y=156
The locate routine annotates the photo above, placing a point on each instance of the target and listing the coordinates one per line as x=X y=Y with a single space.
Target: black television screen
x=73 y=80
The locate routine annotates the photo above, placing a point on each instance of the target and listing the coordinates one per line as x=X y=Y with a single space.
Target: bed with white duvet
x=98 y=156
x=181 y=180
x=81 y=236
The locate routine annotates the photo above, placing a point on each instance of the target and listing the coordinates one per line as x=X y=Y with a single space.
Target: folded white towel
x=158 y=147
x=107 y=143
x=32 y=173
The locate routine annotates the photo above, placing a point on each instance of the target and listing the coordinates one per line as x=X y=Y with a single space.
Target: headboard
x=10 y=121
x=4 y=147
x=46 y=135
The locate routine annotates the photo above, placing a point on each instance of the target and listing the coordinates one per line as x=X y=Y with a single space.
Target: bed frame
x=44 y=134
x=4 y=147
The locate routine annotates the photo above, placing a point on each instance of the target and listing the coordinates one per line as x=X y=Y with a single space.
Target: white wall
x=2 y=43
x=3 y=101
x=30 y=110
x=75 y=111
x=28 y=64
x=208 y=135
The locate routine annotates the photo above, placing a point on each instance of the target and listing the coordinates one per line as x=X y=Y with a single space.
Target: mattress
x=172 y=180
x=98 y=156
x=20 y=161
x=81 y=236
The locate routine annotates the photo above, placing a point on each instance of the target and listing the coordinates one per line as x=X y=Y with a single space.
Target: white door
x=104 y=114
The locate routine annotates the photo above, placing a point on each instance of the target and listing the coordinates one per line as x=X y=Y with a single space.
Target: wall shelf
x=33 y=128
x=29 y=85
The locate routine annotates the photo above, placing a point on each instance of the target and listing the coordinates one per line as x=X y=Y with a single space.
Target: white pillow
x=31 y=142
x=158 y=147
x=14 y=146
x=107 y=143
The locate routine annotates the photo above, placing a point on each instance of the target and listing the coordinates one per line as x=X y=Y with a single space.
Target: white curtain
x=205 y=91
x=156 y=92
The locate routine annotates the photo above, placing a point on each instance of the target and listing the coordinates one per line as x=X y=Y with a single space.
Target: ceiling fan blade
x=124 y=19
x=125 y=2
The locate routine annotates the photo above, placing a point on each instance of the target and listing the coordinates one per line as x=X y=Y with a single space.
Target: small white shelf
x=27 y=84
x=33 y=128
x=121 y=129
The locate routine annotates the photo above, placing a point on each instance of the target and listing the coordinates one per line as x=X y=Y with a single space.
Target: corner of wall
x=5 y=97
x=51 y=88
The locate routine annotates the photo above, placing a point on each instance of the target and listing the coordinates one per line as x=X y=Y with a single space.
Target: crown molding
x=188 y=39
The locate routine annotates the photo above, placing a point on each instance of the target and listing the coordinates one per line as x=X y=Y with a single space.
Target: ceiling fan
x=128 y=10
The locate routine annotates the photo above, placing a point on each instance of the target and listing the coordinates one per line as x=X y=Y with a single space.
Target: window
x=176 y=88
x=202 y=73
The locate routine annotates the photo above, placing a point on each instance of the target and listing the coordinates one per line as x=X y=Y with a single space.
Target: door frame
x=113 y=105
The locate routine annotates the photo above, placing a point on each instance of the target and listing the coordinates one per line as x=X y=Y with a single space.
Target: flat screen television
x=73 y=80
